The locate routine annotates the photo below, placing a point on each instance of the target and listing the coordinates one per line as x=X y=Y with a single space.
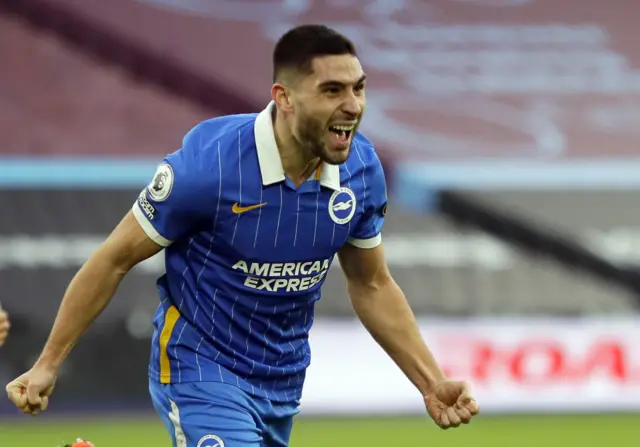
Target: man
x=251 y=212
x=4 y=326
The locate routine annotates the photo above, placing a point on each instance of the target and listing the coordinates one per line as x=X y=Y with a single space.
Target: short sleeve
x=174 y=203
x=367 y=233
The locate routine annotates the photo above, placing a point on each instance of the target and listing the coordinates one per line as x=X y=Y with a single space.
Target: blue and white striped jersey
x=247 y=252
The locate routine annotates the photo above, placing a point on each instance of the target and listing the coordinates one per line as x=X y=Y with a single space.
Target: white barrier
x=514 y=365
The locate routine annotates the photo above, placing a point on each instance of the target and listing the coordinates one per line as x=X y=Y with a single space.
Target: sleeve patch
x=162 y=183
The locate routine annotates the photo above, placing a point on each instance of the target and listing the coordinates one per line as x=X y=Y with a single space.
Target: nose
x=352 y=105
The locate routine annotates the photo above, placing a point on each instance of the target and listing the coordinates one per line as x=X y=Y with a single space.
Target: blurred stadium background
x=509 y=132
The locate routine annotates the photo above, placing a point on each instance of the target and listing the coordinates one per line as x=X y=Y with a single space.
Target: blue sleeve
x=177 y=200
x=367 y=233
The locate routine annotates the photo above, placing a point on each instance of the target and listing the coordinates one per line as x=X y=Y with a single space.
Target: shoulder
x=364 y=149
x=363 y=159
x=363 y=172
x=207 y=136
x=209 y=143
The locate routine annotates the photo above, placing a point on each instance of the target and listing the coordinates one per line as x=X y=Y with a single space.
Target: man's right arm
x=93 y=287
x=169 y=208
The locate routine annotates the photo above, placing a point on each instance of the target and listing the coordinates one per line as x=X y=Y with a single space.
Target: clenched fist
x=4 y=326
x=30 y=392
x=451 y=404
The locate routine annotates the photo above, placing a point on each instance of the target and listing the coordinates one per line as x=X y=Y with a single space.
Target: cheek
x=314 y=126
x=300 y=125
x=304 y=129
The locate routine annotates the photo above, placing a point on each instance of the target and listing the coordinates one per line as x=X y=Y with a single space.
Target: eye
x=359 y=88
x=332 y=90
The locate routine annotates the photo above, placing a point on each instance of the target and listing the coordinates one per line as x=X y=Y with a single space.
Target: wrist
x=430 y=379
x=47 y=362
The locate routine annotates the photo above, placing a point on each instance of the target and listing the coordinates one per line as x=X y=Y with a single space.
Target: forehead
x=344 y=68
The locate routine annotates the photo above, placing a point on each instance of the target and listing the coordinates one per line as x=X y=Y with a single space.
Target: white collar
x=269 y=157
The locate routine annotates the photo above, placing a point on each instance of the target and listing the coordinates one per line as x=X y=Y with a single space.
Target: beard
x=313 y=135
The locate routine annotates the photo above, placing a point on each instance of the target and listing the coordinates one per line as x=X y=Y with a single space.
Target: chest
x=279 y=224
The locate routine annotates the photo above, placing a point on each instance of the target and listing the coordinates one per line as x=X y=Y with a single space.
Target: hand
x=450 y=404
x=4 y=326
x=30 y=392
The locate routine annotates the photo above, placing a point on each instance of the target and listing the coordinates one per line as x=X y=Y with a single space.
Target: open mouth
x=341 y=133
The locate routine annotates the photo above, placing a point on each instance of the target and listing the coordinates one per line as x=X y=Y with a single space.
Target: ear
x=281 y=95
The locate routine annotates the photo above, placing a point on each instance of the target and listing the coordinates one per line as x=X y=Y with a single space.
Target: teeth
x=343 y=128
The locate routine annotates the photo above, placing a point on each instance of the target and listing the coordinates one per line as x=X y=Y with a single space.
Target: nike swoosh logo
x=237 y=209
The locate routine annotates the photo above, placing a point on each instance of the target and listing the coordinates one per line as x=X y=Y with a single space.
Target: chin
x=333 y=161
x=336 y=156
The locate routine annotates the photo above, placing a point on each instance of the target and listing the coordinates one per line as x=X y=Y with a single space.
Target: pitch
x=534 y=431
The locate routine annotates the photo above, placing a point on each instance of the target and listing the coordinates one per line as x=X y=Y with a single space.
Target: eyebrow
x=334 y=83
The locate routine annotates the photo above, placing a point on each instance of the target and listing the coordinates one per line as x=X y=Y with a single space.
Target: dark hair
x=297 y=48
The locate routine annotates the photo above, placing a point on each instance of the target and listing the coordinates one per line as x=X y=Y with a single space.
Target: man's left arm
x=384 y=311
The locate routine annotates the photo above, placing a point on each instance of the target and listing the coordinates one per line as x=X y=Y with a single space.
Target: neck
x=298 y=163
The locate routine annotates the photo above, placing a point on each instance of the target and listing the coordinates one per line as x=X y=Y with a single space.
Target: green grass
x=534 y=431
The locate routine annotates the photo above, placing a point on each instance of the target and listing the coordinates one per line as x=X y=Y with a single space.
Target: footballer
x=251 y=212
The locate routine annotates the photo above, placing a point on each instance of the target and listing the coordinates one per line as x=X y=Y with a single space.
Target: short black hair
x=296 y=49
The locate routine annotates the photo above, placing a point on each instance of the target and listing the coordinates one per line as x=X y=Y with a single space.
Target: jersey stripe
x=170 y=320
